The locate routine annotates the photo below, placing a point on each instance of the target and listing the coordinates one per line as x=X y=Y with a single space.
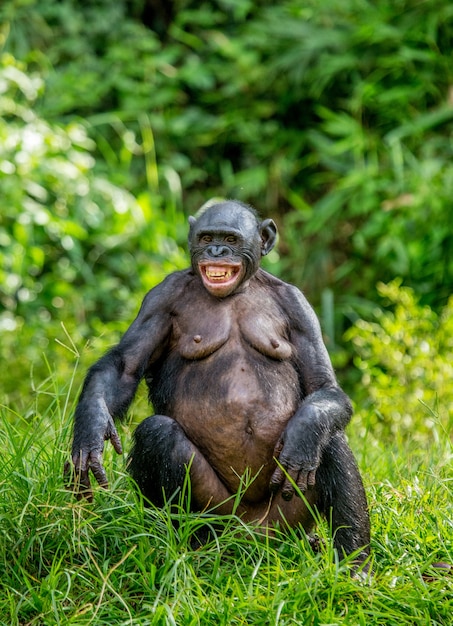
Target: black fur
x=239 y=378
x=162 y=440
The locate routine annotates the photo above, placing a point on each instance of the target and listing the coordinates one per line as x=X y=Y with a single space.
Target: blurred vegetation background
x=119 y=119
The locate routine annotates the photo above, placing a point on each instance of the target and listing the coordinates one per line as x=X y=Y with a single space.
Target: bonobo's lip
x=220 y=278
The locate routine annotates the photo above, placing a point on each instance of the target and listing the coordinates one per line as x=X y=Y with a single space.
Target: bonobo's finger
x=99 y=473
x=82 y=482
x=276 y=480
x=306 y=480
x=73 y=481
x=288 y=485
x=287 y=490
x=75 y=475
x=82 y=486
x=302 y=481
x=311 y=480
x=116 y=441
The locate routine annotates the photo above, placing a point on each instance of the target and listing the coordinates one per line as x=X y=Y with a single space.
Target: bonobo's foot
x=316 y=543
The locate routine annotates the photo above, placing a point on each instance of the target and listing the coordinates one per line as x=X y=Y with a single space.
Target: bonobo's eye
x=231 y=239
x=206 y=239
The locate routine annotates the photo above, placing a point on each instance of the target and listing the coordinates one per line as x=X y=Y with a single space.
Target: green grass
x=115 y=562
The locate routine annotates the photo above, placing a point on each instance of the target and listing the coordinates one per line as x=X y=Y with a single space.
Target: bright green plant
x=335 y=117
x=75 y=248
x=63 y=227
x=405 y=358
x=116 y=561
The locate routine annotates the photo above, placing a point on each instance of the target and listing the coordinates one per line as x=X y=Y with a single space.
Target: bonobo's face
x=226 y=243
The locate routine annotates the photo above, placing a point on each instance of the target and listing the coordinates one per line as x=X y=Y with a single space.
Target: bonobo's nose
x=218 y=251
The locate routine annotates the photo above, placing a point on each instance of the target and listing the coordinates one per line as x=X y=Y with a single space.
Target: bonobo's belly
x=234 y=406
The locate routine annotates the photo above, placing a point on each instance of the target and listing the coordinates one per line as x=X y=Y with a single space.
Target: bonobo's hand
x=298 y=452
x=86 y=457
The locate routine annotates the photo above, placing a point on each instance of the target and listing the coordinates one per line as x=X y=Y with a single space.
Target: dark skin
x=241 y=383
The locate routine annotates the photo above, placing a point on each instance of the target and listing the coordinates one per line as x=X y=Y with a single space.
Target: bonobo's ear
x=268 y=232
x=192 y=222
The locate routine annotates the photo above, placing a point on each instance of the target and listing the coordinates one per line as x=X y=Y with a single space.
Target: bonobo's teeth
x=218 y=274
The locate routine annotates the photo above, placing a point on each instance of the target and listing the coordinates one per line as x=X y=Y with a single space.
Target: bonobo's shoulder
x=178 y=279
x=279 y=286
x=170 y=288
x=289 y=297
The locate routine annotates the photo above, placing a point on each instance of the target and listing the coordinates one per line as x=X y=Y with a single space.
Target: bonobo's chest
x=251 y=319
x=229 y=376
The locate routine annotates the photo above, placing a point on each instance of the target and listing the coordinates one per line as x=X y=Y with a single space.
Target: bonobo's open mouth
x=220 y=278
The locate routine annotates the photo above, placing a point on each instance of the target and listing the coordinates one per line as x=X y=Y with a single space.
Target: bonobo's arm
x=324 y=410
x=112 y=382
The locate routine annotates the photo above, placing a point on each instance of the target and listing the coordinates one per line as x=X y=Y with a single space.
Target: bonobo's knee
x=159 y=458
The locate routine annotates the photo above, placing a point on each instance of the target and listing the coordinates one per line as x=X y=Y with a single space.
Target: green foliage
x=75 y=248
x=375 y=166
x=334 y=117
x=116 y=562
x=405 y=358
x=64 y=228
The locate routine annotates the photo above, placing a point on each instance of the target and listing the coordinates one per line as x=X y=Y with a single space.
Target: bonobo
x=241 y=384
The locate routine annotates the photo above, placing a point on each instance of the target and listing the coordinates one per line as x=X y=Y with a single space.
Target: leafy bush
x=406 y=362
x=335 y=117
x=75 y=248
x=374 y=162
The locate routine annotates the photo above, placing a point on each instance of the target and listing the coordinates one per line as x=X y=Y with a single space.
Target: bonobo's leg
x=343 y=498
x=159 y=460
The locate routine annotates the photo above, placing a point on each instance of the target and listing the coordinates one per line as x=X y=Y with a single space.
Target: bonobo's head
x=226 y=244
